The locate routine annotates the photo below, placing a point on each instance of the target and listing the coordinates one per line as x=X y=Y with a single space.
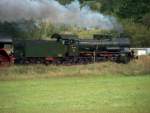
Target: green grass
x=88 y=94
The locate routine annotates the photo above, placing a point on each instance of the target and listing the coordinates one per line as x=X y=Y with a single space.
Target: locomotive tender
x=69 y=49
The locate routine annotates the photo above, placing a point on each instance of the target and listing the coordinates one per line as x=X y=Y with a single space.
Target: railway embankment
x=137 y=67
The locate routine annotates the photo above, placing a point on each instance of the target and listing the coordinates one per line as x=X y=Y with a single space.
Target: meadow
x=94 y=88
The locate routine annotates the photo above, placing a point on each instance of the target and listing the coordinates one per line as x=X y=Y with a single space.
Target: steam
x=52 y=11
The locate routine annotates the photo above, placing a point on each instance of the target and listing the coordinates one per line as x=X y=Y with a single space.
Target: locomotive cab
x=70 y=41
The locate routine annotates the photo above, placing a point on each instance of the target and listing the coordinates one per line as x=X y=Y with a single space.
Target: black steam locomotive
x=69 y=49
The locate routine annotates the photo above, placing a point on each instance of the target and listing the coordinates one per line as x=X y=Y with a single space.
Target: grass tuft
x=136 y=67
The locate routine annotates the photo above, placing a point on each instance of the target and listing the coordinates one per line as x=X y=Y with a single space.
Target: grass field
x=104 y=87
x=95 y=94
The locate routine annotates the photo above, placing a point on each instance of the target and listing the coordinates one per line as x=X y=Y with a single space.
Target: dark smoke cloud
x=52 y=11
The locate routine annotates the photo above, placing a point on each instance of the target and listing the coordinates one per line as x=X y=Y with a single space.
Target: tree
x=65 y=1
x=134 y=9
x=146 y=20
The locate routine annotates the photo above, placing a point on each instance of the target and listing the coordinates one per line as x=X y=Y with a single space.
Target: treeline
x=135 y=18
x=30 y=29
x=133 y=14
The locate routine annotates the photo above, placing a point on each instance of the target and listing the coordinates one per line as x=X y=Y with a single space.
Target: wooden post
x=94 y=57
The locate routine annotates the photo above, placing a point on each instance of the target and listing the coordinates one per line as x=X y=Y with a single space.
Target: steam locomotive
x=69 y=49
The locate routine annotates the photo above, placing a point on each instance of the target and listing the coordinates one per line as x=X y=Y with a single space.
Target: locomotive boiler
x=101 y=48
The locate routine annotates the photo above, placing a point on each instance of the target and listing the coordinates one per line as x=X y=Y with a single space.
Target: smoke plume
x=53 y=11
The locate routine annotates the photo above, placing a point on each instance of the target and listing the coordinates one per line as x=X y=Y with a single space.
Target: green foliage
x=139 y=33
x=146 y=20
x=8 y=28
x=94 y=5
x=107 y=6
x=30 y=29
x=134 y=9
x=65 y=1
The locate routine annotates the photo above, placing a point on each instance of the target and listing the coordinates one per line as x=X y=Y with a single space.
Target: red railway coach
x=5 y=59
x=5 y=50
